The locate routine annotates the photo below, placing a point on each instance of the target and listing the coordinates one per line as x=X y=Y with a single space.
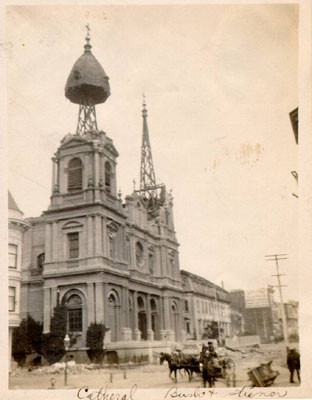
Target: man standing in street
x=293 y=363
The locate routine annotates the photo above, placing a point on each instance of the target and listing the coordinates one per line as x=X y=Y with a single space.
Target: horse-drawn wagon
x=188 y=358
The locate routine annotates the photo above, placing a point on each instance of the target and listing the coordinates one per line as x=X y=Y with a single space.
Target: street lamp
x=66 y=345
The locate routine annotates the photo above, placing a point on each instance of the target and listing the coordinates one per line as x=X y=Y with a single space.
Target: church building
x=108 y=259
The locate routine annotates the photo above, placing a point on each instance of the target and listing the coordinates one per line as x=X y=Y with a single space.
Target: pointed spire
x=147 y=174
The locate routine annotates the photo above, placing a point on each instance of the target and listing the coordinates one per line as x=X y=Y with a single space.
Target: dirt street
x=148 y=376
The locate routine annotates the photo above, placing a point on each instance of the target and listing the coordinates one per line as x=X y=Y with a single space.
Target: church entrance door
x=143 y=325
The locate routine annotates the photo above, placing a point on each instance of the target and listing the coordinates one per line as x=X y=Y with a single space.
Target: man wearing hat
x=293 y=363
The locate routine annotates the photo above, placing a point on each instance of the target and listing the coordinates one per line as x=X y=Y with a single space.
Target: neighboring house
x=254 y=312
x=207 y=308
x=17 y=227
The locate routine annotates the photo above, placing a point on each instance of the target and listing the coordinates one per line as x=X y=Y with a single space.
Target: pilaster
x=96 y=175
x=47 y=309
x=99 y=302
x=91 y=305
x=98 y=235
x=90 y=236
x=54 y=242
x=48 y=242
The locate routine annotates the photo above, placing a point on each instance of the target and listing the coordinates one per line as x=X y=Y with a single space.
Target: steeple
x=87 y=85
x=152 y=194
x=147 y=173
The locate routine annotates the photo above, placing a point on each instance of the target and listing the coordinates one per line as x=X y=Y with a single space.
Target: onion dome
x=87 y=83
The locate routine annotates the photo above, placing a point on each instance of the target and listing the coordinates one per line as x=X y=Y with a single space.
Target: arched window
x=74 y=174
x=141 y=306
x=153 y=305
x=74 y=305
x=108 y=176
x=40 y=261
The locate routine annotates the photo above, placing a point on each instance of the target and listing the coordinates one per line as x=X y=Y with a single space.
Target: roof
x=202 y=280
x=12 y=203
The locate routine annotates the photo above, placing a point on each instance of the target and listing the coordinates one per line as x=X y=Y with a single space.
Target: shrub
x=27 y=338
x=53 y=347
x=53 y=342
x=95 y=342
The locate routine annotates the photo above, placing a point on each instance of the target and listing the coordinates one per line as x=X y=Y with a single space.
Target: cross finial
x=88 y=45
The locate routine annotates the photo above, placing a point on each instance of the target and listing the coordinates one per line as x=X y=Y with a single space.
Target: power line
x=277 y=258
x=26 y=177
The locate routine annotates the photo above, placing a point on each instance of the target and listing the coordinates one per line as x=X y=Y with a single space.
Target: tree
x=95 y=341
x=53 y=342
x=26 y=339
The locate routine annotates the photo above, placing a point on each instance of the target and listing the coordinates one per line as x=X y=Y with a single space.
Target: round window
x=139 y=254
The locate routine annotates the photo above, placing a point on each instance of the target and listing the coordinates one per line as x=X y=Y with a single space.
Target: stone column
x=150 y=332
x=132 y=253
x=48 y=242
x=91 y=305
x=90 y=236
x=96 y=175
x=53 y=297
x=86 y=171
x=53 y=174
x=99 y=302
x=54 y=242
x=106 y=291
x=98 y=235
x=166 y=313
x=104 y=237
x=137 y=333
x=62 y=186
x=163 y=258
x=126 y=330
x=46 y=309
x=58 y=174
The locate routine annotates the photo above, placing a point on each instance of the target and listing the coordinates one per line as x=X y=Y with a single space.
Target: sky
x=220 y=81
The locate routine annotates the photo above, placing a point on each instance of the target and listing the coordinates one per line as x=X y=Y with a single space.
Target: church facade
x=109 y=260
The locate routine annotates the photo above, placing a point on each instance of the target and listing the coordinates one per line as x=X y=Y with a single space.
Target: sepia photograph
x=153 y=200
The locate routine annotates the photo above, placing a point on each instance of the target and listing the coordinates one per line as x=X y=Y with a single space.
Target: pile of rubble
x=72 y=367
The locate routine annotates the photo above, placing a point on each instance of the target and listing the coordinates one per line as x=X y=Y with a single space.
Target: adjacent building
x=237 y=307
x=254 y=312
x=206 y=308
x=17 y=228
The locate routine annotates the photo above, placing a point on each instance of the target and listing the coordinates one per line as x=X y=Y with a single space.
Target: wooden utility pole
x=277 y=258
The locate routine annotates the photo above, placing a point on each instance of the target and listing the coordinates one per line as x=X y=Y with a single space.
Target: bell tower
x=84 y=166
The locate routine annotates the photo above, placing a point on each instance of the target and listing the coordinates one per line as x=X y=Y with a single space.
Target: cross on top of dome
x=87 y=85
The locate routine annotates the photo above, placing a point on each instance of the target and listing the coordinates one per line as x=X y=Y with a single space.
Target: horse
x=174 y=365
x=214 y=369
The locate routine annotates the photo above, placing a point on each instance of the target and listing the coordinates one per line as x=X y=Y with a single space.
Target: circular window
x=139 y=252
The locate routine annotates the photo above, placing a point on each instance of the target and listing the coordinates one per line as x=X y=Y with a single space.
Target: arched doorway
x=175 y=319
x=142 y=324
x=113 y=320
x=154 y=319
